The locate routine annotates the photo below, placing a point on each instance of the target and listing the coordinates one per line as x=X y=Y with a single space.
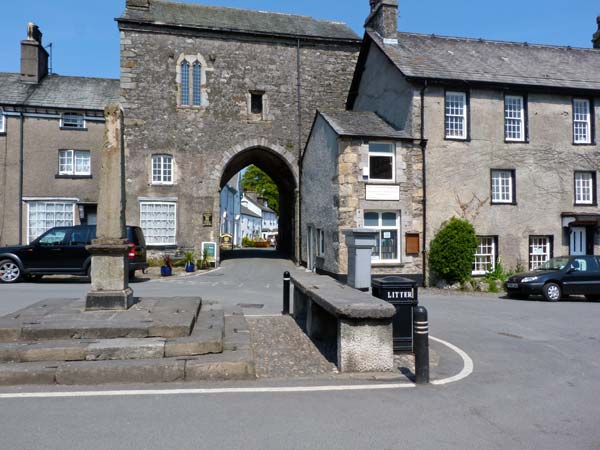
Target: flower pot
x=190 y=267
x=165 y=271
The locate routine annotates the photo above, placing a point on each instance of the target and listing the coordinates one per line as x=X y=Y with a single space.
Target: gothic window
x=191 y=81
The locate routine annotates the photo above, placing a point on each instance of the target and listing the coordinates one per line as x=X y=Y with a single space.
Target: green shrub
x=452 y=250
x=498 y=273
x=247 y=242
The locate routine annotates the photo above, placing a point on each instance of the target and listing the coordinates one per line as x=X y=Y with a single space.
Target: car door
x=47 y=253
x=583 y=278
x=74 y=252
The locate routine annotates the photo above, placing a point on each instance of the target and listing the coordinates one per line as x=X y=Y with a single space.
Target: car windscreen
x=555 y=263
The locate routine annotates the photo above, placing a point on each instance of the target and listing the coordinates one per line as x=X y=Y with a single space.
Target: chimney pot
x=383 y=19
x=596 y=37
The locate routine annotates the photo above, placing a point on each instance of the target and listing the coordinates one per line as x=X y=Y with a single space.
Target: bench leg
x=300 y=308
x=365 y=346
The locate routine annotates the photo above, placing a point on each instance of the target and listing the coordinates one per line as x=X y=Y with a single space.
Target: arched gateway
x=281 y=165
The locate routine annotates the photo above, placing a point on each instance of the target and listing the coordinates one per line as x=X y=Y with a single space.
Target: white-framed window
x=72 y=120
x=485 y=255
x=320 y=242
x=585 y=188
x=74 y=162
x=540 y=250
x=387 y=247
x=582 y=126
x=159 y=222
x=43 y=215
x=162 y=169
x=503 y=184
x=2 y=121
x=514 y=118
x=382 y=161
x=456 y=115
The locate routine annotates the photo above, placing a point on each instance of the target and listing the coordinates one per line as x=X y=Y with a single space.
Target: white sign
x=382 y=192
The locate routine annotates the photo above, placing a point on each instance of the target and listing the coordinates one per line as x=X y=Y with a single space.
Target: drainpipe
x=424 y=176
x=297 y=226
x=21 y=134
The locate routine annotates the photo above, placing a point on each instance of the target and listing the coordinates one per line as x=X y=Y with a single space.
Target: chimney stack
x=137 y=4
x=596 y=38
x=384 y=19
x=34 y=58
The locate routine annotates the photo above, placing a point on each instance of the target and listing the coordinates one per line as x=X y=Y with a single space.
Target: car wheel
x=552 y=292
x=519 y=296
x=9 y=271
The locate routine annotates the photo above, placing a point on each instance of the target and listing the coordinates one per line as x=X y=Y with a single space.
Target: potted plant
x=190 y=261
x=165 y=269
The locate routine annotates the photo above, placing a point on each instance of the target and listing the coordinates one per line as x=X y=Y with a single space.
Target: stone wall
x=203 y=140
x=43 y=139
x=459 y=172
x=352 y=158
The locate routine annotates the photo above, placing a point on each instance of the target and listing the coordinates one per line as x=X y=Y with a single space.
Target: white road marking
x=465 y=372
x=187 y=277
x=467 y=364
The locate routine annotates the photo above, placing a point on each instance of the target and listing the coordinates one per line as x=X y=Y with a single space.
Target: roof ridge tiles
x=498 y=41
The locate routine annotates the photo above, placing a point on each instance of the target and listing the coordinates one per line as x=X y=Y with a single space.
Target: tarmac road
x=535 y=385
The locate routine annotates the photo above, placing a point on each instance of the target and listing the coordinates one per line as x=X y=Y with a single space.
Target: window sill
x=584 y=144
x=73 y=129
x=387 y=264
x=507 y=141
x=162 y=184
x=503 y=203
x=161 y=246
x=73 y=177
x=457 y=139
x=192 y=107
x=387 y=182
x=585 y=205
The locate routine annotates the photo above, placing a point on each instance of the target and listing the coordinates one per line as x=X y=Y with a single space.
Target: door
x=48 y=251
x=583 y=277
x=578 y=241
x=311 y=249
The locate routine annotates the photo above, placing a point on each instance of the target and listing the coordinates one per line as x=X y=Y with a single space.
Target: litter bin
x=404 y=295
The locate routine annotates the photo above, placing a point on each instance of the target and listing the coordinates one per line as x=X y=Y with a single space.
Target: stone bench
x=352 y=328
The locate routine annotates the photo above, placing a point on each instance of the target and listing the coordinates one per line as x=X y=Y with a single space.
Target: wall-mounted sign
x=382 y=192
x=209 y=251
x=207 y=219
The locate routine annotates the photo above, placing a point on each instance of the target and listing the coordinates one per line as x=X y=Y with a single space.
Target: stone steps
x=218 y=347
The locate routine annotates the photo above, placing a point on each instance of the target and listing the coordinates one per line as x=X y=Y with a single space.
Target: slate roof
x=361 y=124
x=476 y=60
x=247 y=212
x=240 y=20
x=56 y=91
x=253 y=197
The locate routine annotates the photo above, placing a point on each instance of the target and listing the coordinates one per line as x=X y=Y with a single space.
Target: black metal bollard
x=286 y=293
x=421 y=345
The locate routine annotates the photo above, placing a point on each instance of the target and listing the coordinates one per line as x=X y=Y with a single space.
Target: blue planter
x=190 y=267
x=165 y=271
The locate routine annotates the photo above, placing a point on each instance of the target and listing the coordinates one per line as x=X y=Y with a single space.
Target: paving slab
x=229 y=365
x=12 y=374
x=67 y=319
x=129 y=371
x=122 y=349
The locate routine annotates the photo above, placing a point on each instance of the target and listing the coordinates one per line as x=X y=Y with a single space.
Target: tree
x=254 y=179
x=452 y=250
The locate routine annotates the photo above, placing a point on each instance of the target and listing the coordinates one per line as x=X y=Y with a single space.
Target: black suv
x=61 y=250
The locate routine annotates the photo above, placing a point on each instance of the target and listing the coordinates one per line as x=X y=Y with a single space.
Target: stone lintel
x=109 y=300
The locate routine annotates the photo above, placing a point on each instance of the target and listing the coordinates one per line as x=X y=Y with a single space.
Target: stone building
x=358 y=171
x=507 y=133
x=51 y=134
x=207 y=91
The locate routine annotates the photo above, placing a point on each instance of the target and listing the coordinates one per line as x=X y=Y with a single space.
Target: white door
x=578 y=244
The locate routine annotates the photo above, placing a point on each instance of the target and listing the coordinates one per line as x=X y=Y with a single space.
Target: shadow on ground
x=253 y=253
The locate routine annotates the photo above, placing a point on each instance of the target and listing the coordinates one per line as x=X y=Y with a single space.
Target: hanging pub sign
x=207 y=219
x=226 y=241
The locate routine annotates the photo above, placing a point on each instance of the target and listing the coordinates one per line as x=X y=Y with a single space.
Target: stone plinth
x=110 y=283
x=110 y=279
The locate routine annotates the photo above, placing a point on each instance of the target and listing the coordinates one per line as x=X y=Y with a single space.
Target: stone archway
x=281 y=165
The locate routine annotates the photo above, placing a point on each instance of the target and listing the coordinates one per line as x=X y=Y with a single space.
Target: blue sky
x=86 y=40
